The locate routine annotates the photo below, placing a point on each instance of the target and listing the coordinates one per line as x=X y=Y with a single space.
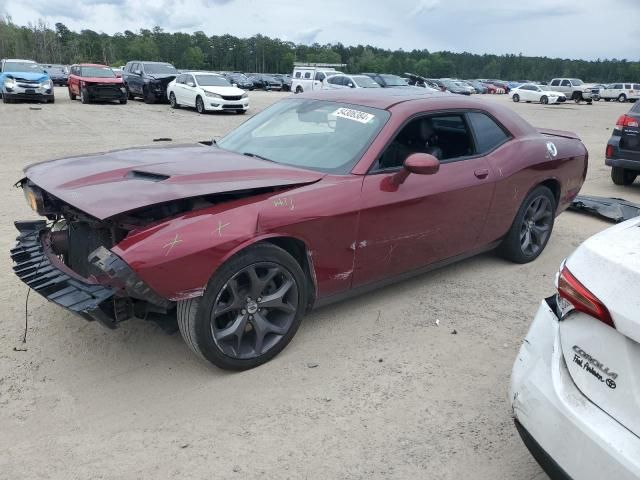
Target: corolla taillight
x=580 y=298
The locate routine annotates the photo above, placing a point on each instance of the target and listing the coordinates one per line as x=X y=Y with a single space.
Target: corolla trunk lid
x=604 y=362
x=107 y=184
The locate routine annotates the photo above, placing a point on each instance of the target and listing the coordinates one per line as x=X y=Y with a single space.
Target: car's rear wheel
x=622 y=176
x=516 y=97
x=200 y=104
x=544 y=100
x=622 y=98
x=531 y=229
x=251 y=309
x=172 y=101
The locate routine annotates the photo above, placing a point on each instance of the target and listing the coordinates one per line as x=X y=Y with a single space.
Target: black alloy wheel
x=531 y=227
x=254 y=310
x=536 y=226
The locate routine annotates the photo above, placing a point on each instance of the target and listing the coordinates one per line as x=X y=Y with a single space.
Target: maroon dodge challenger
x=316 y=198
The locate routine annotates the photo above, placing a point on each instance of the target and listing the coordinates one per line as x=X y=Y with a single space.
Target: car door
x=424 y=219
x=72 y=82
x=136 y=78
x=317 y=80
x=189 y=90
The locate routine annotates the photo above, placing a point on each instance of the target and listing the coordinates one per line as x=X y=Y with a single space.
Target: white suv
x=575 y=386
x=621 y=92
x=311 y=76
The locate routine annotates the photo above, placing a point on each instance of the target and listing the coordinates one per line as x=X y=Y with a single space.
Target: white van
x=310 y=76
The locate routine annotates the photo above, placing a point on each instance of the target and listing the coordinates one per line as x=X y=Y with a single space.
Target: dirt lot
x=392 y=395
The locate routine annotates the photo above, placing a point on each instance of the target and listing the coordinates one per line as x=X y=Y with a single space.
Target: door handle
x=481 y=173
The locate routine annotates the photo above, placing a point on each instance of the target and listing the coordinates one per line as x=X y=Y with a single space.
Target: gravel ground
x=369 y=388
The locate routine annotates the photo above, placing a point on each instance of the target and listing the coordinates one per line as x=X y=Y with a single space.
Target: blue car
x=24 y=80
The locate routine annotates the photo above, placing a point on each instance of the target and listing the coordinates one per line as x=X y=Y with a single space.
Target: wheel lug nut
x=250 y=317
x=243 y=311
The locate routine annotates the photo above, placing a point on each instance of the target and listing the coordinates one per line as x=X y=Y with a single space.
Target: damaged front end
x=69 y=262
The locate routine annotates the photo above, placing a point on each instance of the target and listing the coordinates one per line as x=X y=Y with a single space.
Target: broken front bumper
x=563 y=430
x=109 y=299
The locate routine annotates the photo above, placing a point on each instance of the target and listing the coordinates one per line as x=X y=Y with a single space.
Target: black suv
x=148 y=80
x=239 y=79
x=623 y=148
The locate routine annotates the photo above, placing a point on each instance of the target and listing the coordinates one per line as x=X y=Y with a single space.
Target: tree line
x=259 y=53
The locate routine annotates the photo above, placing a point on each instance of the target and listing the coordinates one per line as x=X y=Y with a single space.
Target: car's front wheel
x=200 y=104
x=544 y=100
x=84 y=96
x=172 y=101
x=251 y=309
x=531 y=229
x=622 y=176
x=516 y=97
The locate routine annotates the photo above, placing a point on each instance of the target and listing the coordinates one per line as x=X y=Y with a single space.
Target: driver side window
x=447 y=137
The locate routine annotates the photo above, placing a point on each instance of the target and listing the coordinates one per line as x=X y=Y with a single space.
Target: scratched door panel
x=426 y=219
x=603 y=364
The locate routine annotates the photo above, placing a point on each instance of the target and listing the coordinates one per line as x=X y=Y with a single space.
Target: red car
x=316 y=198
x=93 y=82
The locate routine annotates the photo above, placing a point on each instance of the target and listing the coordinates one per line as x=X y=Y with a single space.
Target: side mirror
x=351 y=85
x=191 y=84
x=422 y=164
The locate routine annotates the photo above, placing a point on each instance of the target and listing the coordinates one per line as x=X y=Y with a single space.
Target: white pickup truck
x=312 y=76
x=574 y=89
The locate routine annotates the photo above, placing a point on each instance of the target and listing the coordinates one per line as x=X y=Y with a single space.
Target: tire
x=622 y=98
x=607 y=99
x=147 y=97
x=129 y=94
x=544 y=100
x=6 y=99
x=577 y=97
x=200 y=105
x=299 y=89
x=172 y=101
x=72 y=96
x=622 y=176
x=83 y=96
x=534 y=221
x=123 y=101
x=516 y=97
x=53 y=100
x=229 y=292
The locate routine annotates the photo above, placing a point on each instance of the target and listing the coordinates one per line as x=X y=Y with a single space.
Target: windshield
x=22 y=67
x=56 y=69
x=161 y=68
x=97 y=72
x=314 y=134
x=366 y=82
x=575 y=81
x=393 y=81
x=238 y=77
x=211 y=81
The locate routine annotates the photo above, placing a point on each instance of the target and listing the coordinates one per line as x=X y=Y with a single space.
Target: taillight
x=581 y=298
x=609 y=151
x=626 y=121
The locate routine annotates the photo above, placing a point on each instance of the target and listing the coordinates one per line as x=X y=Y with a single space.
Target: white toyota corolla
x=575 y=387
x=206 y=91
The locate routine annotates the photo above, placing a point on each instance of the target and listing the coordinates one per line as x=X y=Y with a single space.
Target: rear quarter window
x=488 y=134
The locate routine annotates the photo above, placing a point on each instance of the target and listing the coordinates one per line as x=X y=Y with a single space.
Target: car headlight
x=245 y=95
x=34 y=198
x=47 y=84
x=9 y=82
x=211 y=94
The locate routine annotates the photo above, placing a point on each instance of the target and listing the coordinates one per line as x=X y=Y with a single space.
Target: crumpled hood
x=40 y=77
x=107 y=184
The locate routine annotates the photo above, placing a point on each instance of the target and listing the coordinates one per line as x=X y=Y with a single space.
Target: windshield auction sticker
x=358 y=116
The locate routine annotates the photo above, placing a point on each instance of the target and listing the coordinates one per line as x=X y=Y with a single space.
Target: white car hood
x=614 y=251
x=225 y=91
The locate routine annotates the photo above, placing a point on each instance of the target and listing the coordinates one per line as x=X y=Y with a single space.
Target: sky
x=586 y=29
